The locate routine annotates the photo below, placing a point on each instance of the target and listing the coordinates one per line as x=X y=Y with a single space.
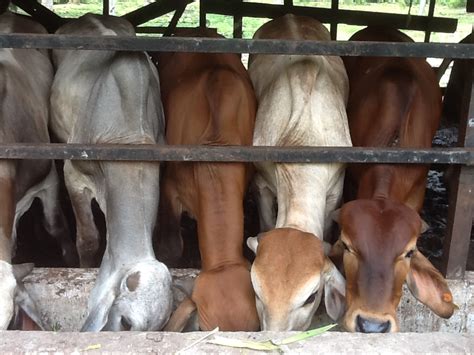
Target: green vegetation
x=224 y=24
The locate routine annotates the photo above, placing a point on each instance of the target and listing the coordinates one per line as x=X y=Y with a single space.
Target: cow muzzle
x=371 y=323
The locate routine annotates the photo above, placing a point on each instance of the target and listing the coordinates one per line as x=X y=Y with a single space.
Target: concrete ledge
x=167 y=343
x=62 y=298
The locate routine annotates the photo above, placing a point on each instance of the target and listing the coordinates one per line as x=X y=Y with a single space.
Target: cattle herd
x=90 y=97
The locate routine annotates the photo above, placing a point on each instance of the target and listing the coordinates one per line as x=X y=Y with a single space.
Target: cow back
x=122 y=88
x=199 y=90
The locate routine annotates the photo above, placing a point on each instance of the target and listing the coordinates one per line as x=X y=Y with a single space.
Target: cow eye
x=344 y=245
x=410 y=253
x=310 y=299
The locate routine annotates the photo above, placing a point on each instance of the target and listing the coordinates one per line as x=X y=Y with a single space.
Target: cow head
x=378 y=243
x=15 y=301
x=138 y=298
x=289 y=274
x=221 y=298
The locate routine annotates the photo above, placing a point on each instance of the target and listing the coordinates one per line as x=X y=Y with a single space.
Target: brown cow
x=393 y=102
x=208 y=99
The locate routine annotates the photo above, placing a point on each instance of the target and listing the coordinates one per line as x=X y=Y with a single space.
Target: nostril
x=372 y=326
x=125 y=324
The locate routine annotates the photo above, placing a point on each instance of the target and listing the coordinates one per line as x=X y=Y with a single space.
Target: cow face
x=378 y=242
x=137 y=299
x=221 y=298
x=289 y=274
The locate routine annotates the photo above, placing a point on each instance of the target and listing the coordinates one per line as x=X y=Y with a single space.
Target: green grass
x=224 y=24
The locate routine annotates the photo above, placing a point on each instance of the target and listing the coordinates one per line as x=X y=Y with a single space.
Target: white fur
x=7 y=293
x=302 y=102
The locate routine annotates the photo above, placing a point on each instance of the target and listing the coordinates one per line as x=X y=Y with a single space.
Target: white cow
x=114 y=97
x=25 y=82
x=301 y=103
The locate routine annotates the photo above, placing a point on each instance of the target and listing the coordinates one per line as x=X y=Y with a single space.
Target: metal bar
x=334 y=7
x=202 y=14
x=217 y=45
x=147 y=152
x=105 y=7
x=174 y=21
x=430 y=15
x=40 y=13
x=237 y=25
x=350 y=17
x=154 y=10
x=461 y=199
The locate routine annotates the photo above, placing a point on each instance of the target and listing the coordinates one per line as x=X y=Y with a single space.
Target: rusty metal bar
x=461 y=199
x=174 y=21
x=236 y=153
x=214 y=45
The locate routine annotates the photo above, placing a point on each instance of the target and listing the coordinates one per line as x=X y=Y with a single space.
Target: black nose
x=372 y=326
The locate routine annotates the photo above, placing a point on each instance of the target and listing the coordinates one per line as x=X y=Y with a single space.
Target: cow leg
x=87 y=235
x=170 y=245
x=266 y=205
x=55 y=222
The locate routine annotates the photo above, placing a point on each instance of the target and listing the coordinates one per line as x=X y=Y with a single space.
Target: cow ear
x=424 y=226
x=335 y=215
x=180 y=317
x=99 y=315
x=27 y=314
x=252 y=243
x=336 y=255
x=334 y=291
x=20 y=271
x=429 y=286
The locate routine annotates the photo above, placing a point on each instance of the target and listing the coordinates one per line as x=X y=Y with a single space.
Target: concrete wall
x=62 y=298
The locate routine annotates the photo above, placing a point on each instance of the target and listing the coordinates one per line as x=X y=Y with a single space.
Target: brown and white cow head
x=289 y=274
x=378 y=243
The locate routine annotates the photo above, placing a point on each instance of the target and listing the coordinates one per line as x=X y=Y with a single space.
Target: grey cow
x=113 y=97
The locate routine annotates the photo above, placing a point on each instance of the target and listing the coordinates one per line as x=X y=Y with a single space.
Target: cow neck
x=220 y=229
x=301 y=196
x=131 y=208
x=7 y=214
x=381 y=182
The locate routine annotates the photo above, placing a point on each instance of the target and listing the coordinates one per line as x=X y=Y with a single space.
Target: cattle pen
x=51 y=283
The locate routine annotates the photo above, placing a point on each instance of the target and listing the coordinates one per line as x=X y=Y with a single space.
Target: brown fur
x=208 y=99
x=393 y=102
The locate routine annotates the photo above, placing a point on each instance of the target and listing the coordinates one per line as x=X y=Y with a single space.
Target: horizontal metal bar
x=213 y=45
x=326 y=15
x=148 y=152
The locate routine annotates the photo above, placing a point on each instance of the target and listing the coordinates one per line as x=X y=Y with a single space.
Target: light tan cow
x=301 y=103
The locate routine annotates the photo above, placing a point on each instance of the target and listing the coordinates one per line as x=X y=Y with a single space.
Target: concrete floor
x=172 y=343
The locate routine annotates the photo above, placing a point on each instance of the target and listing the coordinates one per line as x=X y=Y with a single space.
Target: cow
x=209 y=100
x=25 y=82
x=102 y=97
x=301 y=102
x=393 y=102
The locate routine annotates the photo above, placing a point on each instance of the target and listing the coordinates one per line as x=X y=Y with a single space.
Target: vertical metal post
x=202 y=14
x=105 y=7
x=238 y=22
x=461 y=200
x=430 y=18
x=334 y=8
